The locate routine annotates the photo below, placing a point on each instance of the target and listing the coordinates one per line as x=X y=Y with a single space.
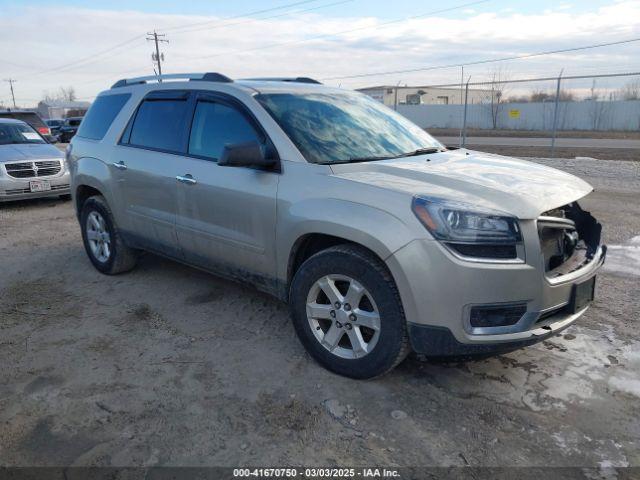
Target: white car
x=29 y=166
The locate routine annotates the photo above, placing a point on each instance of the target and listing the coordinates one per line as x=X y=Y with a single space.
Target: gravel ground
x=167 y=365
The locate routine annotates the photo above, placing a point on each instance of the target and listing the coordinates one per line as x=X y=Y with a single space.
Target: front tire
x=347 y=312
x=102 y=240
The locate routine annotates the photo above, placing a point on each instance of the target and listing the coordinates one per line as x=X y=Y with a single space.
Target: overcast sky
x=88 y=45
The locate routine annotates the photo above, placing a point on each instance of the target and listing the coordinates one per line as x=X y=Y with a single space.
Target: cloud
x=35 y=42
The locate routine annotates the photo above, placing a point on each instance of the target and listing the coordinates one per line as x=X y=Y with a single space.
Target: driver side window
x=216 y=125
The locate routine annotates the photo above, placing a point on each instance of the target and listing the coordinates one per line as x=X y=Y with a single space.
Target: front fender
x=376 y=229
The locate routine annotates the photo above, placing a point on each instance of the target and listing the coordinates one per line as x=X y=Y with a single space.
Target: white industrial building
x=62 y=108
x=392 y=95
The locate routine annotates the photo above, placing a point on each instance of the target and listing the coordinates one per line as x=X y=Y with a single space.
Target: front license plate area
x=39 y=185
x=583 y=294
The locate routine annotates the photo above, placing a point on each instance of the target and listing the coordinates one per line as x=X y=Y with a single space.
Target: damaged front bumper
x=457 y=307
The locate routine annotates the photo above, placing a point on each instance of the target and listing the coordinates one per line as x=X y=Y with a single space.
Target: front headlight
x=469 y=231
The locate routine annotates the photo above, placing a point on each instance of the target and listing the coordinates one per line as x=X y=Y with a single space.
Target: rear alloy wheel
x=347 y=312
x=98 y=237
x=101 y=238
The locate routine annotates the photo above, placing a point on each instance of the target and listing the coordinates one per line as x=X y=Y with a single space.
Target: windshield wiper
x=364 y=159
x=420 y=151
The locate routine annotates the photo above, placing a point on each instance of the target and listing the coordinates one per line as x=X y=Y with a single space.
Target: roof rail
x=203 y=77
x=286 y=79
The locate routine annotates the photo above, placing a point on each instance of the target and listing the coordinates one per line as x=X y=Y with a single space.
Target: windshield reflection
x=342 y=127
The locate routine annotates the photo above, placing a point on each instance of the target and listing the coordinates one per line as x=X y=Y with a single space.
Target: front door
x=226 y=215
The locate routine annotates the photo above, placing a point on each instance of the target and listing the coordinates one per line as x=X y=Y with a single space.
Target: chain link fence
x=534 y=107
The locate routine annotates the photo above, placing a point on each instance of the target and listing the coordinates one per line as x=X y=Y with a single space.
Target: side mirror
x=249 y=154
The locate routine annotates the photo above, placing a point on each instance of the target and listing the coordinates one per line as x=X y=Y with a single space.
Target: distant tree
x=599 y=108
x=68 y=93
x=518 y=99
x=63 y=94
x=499 y=81
x=630 y=91
x=541 y=96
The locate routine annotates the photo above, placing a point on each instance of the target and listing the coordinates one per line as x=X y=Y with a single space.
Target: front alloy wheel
x=343 y=316
x=347 y=312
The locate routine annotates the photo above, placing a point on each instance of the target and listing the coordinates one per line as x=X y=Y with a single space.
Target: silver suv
x=381 y=240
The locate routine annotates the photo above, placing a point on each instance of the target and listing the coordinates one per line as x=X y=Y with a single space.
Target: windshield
x=343 y=127
x=11 y=133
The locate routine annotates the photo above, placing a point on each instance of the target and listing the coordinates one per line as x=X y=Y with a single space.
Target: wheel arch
x=90 y=176
x=81 y=194
x=308 y=244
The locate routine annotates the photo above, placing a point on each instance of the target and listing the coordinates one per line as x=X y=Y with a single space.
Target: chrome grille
x=47 y=168
x=41 y=168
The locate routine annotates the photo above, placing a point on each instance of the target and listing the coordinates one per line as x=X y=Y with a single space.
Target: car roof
x=207 y=80
x=10 y=120
x=277 y=86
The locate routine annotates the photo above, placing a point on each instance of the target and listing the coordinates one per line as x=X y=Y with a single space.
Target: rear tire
x=102 y=240
x=361 y=340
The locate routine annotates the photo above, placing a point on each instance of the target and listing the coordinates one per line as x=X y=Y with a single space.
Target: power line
x=11 y=81
x=384 y=24
x=89 y=59
x=255 y=12
x=479 y=62
x=92 y=58
x=530 y=80
x=249 y=20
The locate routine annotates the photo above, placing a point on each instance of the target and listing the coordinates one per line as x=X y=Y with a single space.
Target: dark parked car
x=69 y=129
x=31 y=118
x=54 y=125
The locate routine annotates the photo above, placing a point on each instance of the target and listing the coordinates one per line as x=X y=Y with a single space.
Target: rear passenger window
x=101 y=114
x=159 y=124
x=216 y=125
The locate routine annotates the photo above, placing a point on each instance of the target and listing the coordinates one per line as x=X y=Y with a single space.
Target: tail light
x=44 y=131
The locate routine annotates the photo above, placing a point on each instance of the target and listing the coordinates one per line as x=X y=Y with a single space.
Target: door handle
x=188 y=179
x=119 y=165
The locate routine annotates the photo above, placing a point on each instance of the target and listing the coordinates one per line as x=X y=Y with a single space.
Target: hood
x=28 y=151
x=520 y=188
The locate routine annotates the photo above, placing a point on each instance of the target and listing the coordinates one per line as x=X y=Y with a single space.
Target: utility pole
x=13 y=97
x=157 y=57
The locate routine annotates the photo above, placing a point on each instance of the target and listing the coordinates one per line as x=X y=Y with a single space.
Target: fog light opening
x=497 y=315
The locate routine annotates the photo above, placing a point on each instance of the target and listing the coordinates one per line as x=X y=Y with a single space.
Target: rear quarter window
x=101 y=115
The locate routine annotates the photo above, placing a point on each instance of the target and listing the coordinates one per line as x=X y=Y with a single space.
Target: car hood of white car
x=15 y=152
x=520 y=188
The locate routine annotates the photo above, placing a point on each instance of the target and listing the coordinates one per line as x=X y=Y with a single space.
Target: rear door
x=146 y=163
x=226 y=215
